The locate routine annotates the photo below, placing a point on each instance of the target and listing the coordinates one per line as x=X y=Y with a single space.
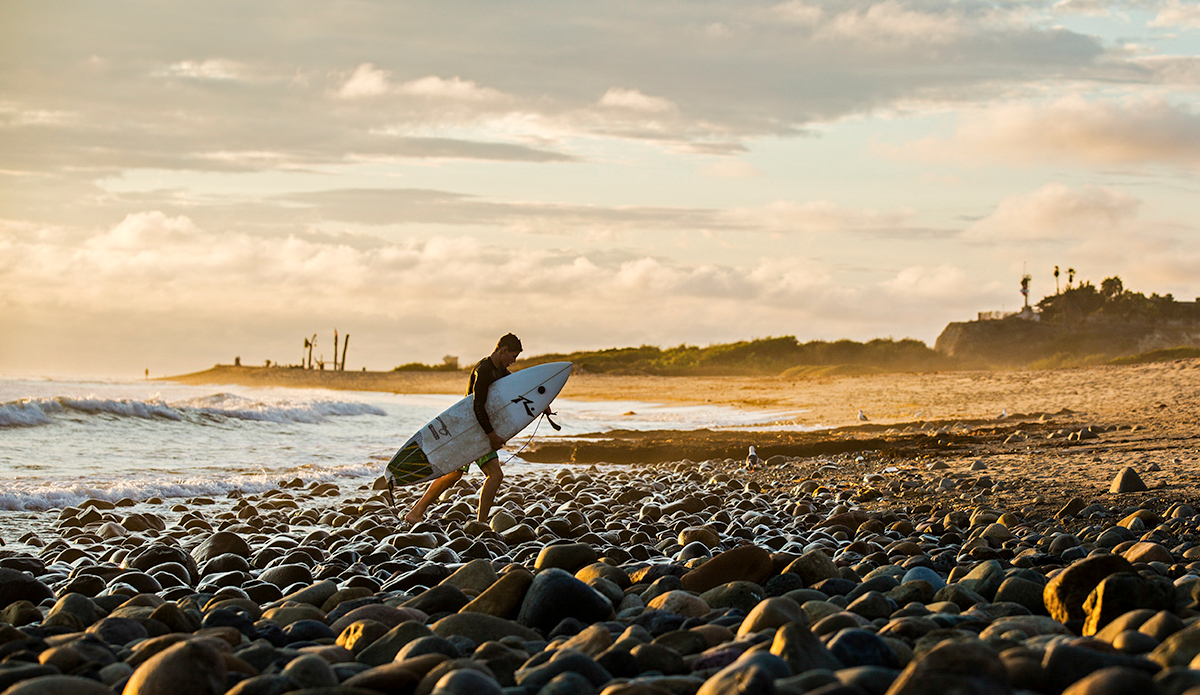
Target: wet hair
x=509 y=341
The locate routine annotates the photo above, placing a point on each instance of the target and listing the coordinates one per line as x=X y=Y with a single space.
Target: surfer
x=489 y=369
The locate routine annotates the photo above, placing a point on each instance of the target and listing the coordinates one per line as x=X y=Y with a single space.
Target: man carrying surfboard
x=489 y=369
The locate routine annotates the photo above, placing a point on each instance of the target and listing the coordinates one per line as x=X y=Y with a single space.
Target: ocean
x=63 y=441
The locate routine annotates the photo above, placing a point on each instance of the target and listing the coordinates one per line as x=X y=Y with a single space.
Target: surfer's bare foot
x=413 y=517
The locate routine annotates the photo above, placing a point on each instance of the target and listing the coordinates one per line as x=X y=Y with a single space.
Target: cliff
x=1015 y=342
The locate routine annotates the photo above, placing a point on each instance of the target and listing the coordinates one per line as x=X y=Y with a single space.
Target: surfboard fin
x=557 y=427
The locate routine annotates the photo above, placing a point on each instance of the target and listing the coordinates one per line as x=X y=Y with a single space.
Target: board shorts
x=480 y=461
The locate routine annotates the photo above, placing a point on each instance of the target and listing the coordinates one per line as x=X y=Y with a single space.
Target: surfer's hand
x=495 y=440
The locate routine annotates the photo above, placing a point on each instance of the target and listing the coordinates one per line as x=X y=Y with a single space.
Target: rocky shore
x=852 y=573
x=1053 y=550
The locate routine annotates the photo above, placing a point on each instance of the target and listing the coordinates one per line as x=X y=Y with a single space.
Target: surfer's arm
x=483 y=381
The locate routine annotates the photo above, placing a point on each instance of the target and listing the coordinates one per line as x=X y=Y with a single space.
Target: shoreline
x=1107 y=393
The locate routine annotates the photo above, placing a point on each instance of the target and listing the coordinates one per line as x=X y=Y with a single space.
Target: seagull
x=861 y=416
x=1003 y=414
x=752 y=458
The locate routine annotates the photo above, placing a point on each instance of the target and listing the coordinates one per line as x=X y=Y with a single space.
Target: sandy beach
x=1008 y=532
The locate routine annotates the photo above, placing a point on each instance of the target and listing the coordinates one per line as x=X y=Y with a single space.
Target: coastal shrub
x=1164 y=355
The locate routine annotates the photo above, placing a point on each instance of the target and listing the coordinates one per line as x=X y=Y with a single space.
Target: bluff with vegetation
x=783 y=356
x=1080 y=326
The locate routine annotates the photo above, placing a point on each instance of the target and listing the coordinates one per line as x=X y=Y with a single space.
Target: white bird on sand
x=861 y=416
x=752 y=458
x=1003 y=414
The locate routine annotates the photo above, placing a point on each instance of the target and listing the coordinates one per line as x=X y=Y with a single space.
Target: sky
x=182 y=183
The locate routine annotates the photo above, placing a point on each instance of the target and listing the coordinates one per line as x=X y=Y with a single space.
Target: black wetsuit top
x=482 y=377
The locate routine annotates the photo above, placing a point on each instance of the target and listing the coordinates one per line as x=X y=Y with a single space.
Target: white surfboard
x=454 y=438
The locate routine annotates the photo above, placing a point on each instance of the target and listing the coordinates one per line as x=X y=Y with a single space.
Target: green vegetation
x=1165 y=355
x=1112 y=301
x=449 y=364
x=769 y=356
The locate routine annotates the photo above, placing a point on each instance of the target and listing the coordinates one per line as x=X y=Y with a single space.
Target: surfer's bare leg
x=435 y=489
x=495 y=476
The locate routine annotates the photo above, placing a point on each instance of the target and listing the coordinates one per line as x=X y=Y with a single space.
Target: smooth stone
x=924 y=574
x=147 y=557
x=315 y=594
x=1115 y=680
x=1066 y=663
x=772 y=612
x=556 y=595
x=284 y=576
x=1031 y=625
x=191 y=667
x=680 y=603
x=1179 y=649
x=466 y=681
x=475 y=576
x=592 y=641
x=504 y=597
x=358 y=635
x=60 y=685
x=858 y=647
x=23 y=612
x=561 y=662
x=481 y=627
x=748 y=563
x=657 y=657
x=1145 y=551
x=740 y=594
x=796 y=644
x=384 y=649
x=704 y=535
x=220 y=543
x=430 y=644
x=984 y=579
x=16 y=585
x=379 y=613
x=286 y=615
x=308 y=631
x=567 y=683
x=1127 y=480
x=1023 y=592
x=443 y=598
x=310 y=671
x=952 y=666
x=570 y=557
x=1122 y=592
x=270 y=684
x=118 y=631
x=1067 y=591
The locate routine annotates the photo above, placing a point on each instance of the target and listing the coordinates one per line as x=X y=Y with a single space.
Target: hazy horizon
x=181 y=184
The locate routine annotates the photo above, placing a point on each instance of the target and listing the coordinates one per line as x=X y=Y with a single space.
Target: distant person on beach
x=489 y=369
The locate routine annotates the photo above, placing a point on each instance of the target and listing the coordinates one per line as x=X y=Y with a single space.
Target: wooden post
x=345 y=344
x=335 y=341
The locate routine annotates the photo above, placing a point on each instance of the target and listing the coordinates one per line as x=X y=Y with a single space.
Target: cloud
x=1135 y=130
x=634 y=100
x=818 y=216
x=1176 y=14
x=1056 y=212
x=365 y=81
x=211 y=69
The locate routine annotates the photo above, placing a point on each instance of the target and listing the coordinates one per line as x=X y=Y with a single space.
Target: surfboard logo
x=440 y=430
x=525 y=402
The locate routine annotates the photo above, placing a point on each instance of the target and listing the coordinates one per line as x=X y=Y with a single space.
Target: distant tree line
x=1111 y=300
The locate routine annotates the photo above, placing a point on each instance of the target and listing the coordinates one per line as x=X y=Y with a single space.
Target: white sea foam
x=32 y=412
